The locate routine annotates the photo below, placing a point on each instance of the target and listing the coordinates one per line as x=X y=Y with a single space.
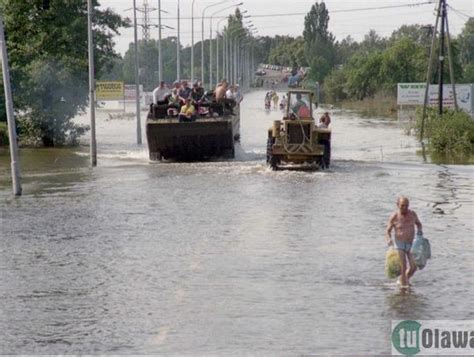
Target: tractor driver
x=300 y=108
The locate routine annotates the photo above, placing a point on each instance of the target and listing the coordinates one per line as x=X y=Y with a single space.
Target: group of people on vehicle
x=187 y=103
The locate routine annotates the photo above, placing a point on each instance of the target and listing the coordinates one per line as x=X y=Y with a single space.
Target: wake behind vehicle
x=296 y=141
x=211 y=134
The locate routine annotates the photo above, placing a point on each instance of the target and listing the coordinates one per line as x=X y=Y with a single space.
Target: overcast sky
x=286 y=17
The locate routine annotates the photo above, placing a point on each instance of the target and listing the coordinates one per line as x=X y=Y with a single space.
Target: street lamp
x=217 y=49
x=202 y=34
x=232 y=52
x=210 y=38
x=90 y=37
x=192 y=41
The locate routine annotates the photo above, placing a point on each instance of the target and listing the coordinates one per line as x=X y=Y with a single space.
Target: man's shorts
x=404 y=246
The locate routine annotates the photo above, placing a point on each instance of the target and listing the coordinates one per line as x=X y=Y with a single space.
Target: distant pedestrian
x=275 y=100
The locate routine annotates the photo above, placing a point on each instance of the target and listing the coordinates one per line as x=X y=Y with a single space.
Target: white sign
x=130 y=91
x=414 y=94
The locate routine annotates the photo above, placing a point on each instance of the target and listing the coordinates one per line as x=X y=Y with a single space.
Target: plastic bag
x=392 y=264
x=421 y=251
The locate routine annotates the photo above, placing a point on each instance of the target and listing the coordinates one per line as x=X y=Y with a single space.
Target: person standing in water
x=404 y=221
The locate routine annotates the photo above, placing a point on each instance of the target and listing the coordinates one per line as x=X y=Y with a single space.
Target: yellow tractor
x=296 y=141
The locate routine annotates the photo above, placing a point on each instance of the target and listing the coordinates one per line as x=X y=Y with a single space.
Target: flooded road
x=134 y=257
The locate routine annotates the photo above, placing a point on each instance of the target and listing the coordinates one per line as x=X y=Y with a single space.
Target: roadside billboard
x=414 y=94
x=109 y=90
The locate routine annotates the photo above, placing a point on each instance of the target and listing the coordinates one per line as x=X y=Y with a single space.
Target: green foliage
x=466 y=43
x=418 y=34
x=450 y=134
x=345 y=49
x=363 y=75
x=48 y=55
x=289 y=52
x=372 y=42
x=468 y=75
x=3 y=134
x=335 y=86
x=403 y=62
x=3 y=111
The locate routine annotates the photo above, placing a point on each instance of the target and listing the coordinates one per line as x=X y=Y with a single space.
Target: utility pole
x=137 y=77
x=15 y=164
x=178 y=51
x=93 y=143
x=442 y=17
x=441 y=58
x=146 y=21
x=160 y=59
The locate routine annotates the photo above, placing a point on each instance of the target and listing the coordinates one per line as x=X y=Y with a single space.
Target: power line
x=334 y=11
x=459 y=12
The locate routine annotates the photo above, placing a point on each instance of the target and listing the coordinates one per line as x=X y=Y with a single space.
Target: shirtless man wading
x=404 y=221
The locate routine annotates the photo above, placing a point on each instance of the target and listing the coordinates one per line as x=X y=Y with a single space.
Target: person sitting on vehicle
x=160 y=93
x=300 y=108
x=230 y=93
x=184 y=90
x=187 y=112
x=197 y=92
x=238 y=94
x=325 y=120
x=225 y=103
x=220 y=90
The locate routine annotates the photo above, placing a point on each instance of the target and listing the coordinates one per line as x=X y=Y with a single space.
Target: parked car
x=260 y=72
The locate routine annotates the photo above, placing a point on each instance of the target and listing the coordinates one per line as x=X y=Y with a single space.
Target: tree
x=466 y=43
x=319 y=42
x=288 y=52
x=363 y=75
x=419 y=34
x=48 y=52
x=373 y=42
x=345 y=49
x=403 y=62
x=466 y=51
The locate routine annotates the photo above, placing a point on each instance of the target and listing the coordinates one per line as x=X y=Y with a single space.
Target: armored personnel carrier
x=212 y=133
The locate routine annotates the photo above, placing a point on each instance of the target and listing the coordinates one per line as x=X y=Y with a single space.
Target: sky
x=286 y=17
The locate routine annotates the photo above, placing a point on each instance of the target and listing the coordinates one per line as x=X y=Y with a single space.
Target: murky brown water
x=226 y=257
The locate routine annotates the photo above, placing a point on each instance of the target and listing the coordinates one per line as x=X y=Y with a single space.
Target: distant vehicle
x=260 y=72
x=296 y=141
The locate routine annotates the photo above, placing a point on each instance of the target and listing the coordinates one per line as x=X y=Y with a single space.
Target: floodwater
x=226 y=257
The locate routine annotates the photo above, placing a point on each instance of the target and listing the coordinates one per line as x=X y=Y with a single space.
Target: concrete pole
x=178 y=51
x=202 y=39
x=93 y=143
x=15 y=164
x=210 y=53
x=192 y=41
x=137 y=78
x=160 y=59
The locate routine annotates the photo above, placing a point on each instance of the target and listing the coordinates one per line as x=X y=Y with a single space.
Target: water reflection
x=405 y=304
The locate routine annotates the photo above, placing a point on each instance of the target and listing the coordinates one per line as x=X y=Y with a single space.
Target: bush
x=3 y=134
x=452 y=133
